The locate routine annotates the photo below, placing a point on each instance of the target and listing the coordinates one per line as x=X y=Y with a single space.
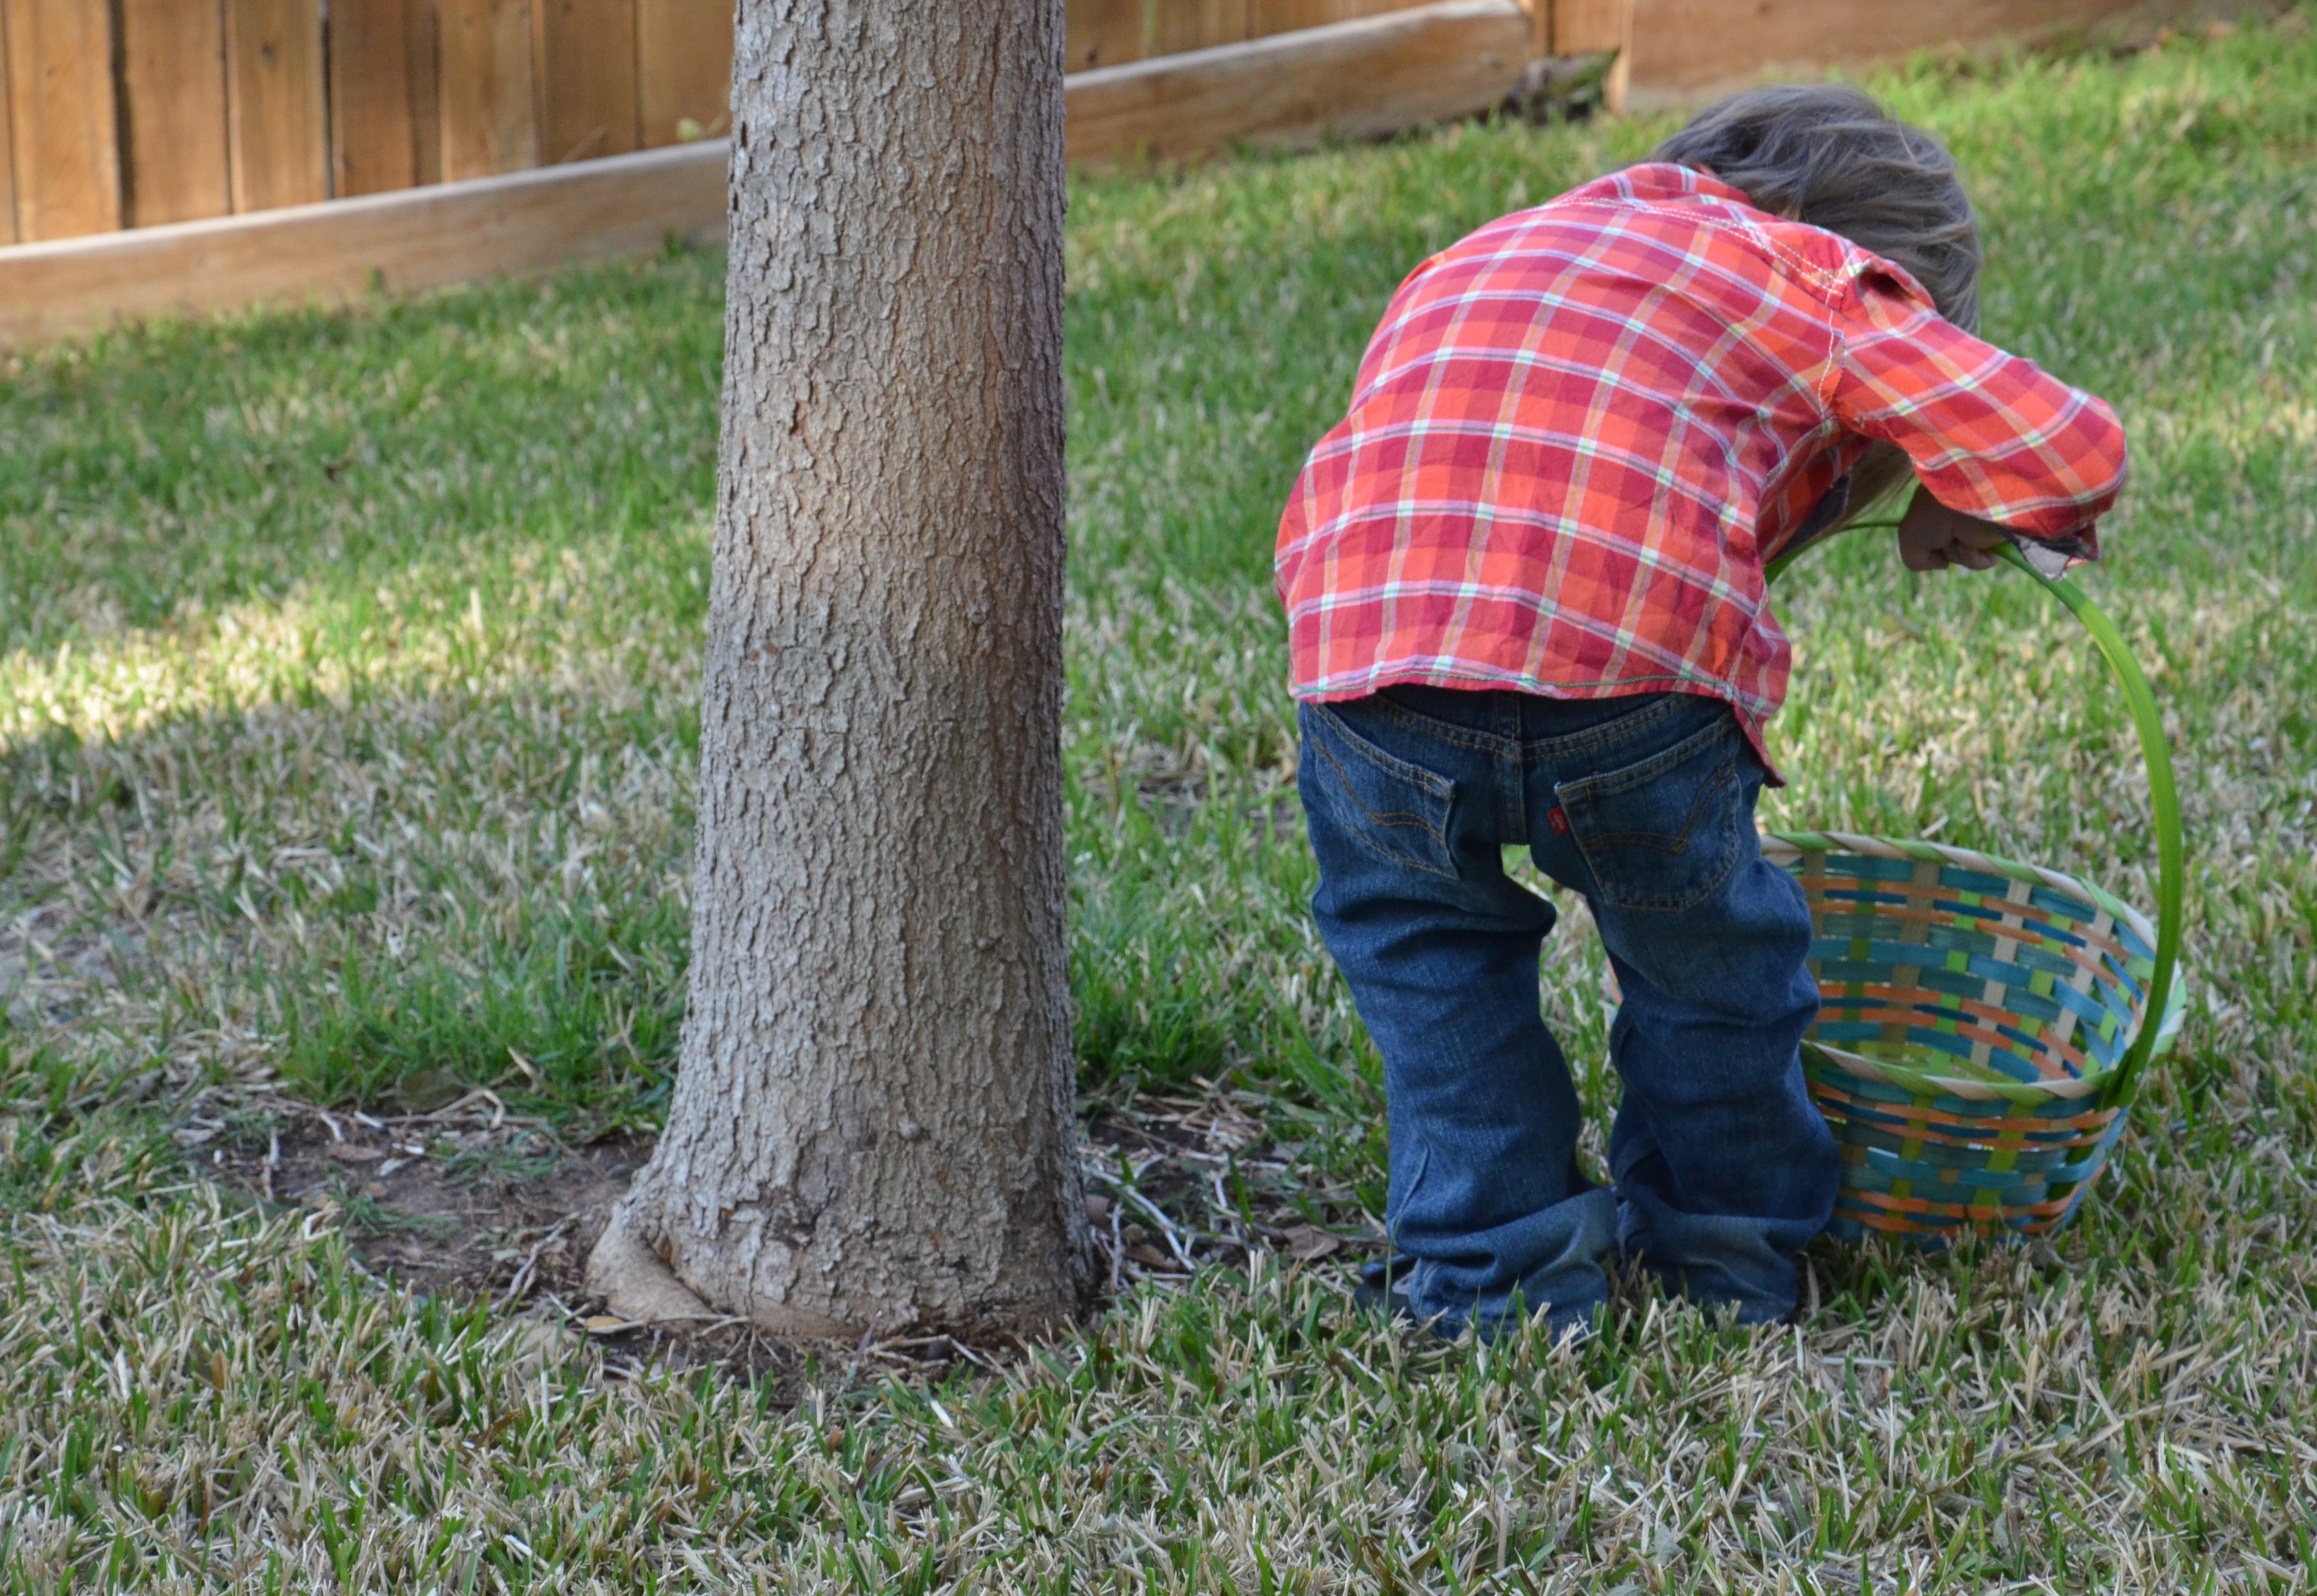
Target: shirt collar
x=1657 y=181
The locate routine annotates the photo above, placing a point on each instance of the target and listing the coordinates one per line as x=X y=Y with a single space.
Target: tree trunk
x=872 y=1126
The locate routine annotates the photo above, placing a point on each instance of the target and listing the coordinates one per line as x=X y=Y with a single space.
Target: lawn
x=348 y=669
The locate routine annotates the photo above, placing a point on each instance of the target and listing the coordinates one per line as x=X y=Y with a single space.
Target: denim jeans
x=1644 y=805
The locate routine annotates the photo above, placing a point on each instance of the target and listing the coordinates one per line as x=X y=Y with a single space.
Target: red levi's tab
x=1579 y=433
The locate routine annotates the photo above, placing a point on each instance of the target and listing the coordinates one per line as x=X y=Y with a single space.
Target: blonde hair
x=1829 y=156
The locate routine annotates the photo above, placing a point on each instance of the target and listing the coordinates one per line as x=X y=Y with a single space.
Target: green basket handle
x=2171 y=855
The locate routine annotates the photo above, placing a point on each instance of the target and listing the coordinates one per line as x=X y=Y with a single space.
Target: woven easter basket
x=1984 y=1024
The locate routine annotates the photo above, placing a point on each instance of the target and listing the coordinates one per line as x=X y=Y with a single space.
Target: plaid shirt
x=1579 y=433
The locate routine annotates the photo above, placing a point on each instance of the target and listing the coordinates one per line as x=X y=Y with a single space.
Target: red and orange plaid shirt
x=1580 y=433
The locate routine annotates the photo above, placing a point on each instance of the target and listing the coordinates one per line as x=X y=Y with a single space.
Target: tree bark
x=872 y=1126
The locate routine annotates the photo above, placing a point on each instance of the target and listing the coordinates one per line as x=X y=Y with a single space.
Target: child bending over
x=1524 y=582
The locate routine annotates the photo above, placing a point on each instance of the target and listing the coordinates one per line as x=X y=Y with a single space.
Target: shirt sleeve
x=1989 y=433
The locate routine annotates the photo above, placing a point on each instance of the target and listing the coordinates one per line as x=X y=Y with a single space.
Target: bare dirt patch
x=473 y=1203
x=470 y=1201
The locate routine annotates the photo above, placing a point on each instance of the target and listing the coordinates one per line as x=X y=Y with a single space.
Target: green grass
x=348 y=665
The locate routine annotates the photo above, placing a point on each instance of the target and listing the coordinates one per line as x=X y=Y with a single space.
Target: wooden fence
x=131 y=113
x=119 y=114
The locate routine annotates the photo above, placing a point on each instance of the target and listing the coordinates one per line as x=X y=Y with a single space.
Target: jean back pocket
x=1663 y=833
x=1394 y=809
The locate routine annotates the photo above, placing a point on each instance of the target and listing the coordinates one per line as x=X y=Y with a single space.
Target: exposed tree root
x=636 y=1285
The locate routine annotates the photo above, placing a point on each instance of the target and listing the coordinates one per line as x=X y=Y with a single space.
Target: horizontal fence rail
x=412 y=239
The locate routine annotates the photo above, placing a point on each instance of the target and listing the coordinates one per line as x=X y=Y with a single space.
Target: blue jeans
x=1723 y=1168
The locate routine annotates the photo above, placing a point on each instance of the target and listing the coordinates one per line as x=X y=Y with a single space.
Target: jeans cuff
x=1548 y=1262
x=1715 y=1261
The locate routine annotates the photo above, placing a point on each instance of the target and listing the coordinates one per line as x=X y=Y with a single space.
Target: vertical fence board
x=373 y=136
x=63 y=121
x=489 y=110
x=588 y=68
x=420 y=54
x=684 y=68
x=276 y=128
x=7 y=141
x=173 y=105
x=1104 y=32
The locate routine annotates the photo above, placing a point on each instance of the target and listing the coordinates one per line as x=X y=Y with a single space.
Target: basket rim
x=1783 y=847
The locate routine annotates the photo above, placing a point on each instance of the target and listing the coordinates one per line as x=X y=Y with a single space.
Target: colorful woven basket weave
x=1984 y=1024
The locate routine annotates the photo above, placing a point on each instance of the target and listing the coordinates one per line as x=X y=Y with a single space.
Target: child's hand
x=1932 y=537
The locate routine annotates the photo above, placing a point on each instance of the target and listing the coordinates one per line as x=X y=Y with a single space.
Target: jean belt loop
x=1512 y=768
